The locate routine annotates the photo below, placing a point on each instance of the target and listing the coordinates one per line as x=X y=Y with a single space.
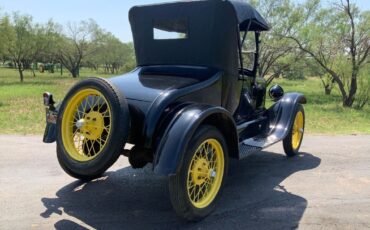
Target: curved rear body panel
x=153 y=93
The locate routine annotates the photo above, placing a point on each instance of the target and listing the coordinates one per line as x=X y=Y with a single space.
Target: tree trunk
x=74 y=73
x=106 y=68
x=20 y=70
x=112 y=69
x=327 y=87
x=348 y=101
x=33 y=72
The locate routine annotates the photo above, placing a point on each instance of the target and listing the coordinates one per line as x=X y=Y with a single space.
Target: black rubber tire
x=287 y=141
x=177 y=183
x=120 y=128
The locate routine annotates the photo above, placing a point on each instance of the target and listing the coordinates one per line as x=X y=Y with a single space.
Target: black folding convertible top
x=211 y=27
x=211 y=38
x=246 y=13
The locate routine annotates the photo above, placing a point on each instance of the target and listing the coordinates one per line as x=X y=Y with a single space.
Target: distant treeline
x=309 y=38
x=28 y=45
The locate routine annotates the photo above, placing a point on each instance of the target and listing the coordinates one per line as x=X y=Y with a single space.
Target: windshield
x=249 y=49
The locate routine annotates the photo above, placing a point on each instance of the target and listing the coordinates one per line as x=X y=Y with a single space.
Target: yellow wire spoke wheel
x=86 y=124
x=205 y=173
x=292 y=142
x=297 y=131
x=195 y=188
x=92 y=128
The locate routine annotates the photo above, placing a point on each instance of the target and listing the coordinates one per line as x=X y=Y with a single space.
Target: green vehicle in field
x=42 y=67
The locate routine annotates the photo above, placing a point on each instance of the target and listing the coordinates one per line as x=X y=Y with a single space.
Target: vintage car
x=193 y=102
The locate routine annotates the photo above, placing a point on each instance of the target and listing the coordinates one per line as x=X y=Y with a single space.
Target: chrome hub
x=80 y=123
x=212 y=173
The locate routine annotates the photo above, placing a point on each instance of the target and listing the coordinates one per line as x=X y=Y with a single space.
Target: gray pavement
x=325 y=187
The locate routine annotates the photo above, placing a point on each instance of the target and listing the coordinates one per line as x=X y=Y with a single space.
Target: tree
x=114 y=54
x=77 y=44
x=277 y=53
x=25 y=43
x=363 y=96
x=20 y=40
x=5 y=36
x=111 y=54
x=338 y=39
x=44 y=39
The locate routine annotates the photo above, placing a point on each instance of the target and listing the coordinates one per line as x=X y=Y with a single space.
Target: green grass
x=22 y=111
x=21 y=105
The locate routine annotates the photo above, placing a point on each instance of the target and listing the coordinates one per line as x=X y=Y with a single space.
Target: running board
x=247 y=150
x=255 y=144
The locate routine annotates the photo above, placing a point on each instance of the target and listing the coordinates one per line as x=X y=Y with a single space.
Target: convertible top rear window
x=170 y=29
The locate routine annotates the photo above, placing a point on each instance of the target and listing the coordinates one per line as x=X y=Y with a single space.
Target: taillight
x=48 y=99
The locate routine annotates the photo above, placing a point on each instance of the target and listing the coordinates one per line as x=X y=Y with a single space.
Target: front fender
x=173 y=144
x=281 y=114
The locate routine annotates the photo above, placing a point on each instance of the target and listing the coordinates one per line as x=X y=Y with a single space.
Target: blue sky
x=110 y=15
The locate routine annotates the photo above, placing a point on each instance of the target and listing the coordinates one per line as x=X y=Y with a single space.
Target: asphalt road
x=326 y=187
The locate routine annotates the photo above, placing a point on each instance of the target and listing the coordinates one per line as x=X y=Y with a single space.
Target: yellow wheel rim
x=298 y=129
x=86 y=124
x=205 y=173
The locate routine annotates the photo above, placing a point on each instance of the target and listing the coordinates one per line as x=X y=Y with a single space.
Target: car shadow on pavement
x=137 y=199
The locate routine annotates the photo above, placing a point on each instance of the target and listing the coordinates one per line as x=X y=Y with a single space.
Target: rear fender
x=171 y=149
x=281 y=114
